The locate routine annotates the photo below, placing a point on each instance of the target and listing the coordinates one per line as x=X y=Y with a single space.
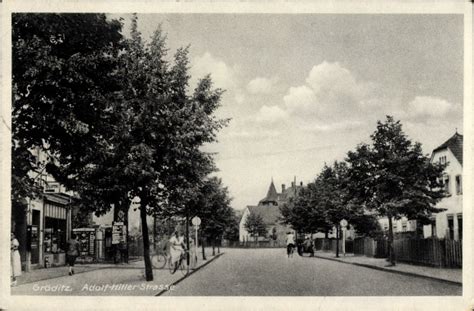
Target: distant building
x=269 y=209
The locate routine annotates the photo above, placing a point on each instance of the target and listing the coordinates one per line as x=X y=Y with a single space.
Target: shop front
x=56 y=224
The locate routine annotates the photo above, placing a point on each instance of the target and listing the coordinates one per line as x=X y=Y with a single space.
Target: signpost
x=196 y=222
x=343 y=224
x=118 y=232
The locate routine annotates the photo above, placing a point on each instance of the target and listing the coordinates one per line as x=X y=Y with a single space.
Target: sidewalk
x=441 y=274
x=102 y=280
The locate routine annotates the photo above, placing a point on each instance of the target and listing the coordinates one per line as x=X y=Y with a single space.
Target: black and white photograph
x=292 y=153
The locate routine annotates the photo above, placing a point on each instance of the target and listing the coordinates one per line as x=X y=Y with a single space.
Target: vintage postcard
x=244 y=155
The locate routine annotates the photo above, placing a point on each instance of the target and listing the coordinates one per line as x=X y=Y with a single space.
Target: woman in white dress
x=15 y=259
x=177 y=247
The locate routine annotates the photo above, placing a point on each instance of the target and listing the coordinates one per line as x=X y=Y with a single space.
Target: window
x=433 y=228
x=446 y=184
x=460 y=226
x=385 y=227
x=450 y=227
x=458 y=184
x=404 y=226
x=395 y=227
x=442 y=160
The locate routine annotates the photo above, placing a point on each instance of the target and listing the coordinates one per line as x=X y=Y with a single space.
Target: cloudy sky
x=303 y=89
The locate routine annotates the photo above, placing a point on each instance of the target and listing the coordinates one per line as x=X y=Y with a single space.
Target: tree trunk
x=337 y=241
x=203 y=251
x=187 y=237
x=213 y=247
x=146 y=241
x=391 y=254
x=326 y=234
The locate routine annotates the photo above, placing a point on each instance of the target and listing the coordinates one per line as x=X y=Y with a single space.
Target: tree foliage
x=255 y=225
x=212 y=205
x=115 y=116
x=63 y=77
x=393 y=178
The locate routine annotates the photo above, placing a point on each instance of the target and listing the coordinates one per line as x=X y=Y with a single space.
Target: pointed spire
x=272 y=193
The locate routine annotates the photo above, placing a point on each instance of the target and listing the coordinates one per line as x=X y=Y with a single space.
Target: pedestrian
x=73 y=251
x=290 y=243
x=15 y=260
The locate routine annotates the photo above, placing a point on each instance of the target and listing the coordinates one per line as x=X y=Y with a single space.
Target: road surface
x=268 y=272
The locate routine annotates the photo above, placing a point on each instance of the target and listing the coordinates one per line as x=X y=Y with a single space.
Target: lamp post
x=343 y=224
x=196 y=222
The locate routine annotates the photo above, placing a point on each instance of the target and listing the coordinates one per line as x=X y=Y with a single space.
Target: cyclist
x=290 y=243
x=177 y=249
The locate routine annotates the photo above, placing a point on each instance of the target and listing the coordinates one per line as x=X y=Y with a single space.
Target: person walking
x=15 y=260
x=290 y=243
x=73 y=251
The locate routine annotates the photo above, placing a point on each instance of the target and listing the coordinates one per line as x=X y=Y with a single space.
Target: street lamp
x=343 y=224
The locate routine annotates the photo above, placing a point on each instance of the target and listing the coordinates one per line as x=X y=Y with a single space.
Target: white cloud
x=223 y=75
x=326 y=127
x=328 y=78
x=271 y=114
x=252 y=134
x=427 y=106
x=300 y=98
x=261 y=85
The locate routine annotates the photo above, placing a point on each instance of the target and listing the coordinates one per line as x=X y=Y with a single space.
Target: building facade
x=269 y=209
x=45 y=226
x=448 y=224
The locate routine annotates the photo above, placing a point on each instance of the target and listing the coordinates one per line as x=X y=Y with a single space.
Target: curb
x=191 y=272
x=392 y=271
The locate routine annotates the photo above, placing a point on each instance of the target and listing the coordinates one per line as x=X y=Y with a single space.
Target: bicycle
x=181 y=264
x=290 y=249
x=159 y=260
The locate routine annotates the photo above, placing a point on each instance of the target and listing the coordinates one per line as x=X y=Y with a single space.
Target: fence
x=371 y=247
x=431 y=252
x=253 y=244
x=331 y=245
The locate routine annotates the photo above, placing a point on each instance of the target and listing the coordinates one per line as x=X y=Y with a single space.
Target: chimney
x=292 y=184
x=283 y=188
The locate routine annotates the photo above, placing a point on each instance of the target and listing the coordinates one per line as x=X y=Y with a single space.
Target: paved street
x=268 y=272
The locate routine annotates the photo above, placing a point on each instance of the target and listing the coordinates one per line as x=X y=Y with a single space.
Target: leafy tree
x=231 y=233
x=333 y=198
x=255 y=225
x=63 y=78
x=304 y=213
x=394 y=178
x=212 y=205
x=147 y=143
x=165 y=128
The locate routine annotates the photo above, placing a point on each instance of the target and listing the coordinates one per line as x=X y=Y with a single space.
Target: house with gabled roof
x=269 y=209
x=448 y=224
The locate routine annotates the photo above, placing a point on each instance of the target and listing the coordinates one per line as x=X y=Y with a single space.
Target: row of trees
x=116 y=118
x=390 y=178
